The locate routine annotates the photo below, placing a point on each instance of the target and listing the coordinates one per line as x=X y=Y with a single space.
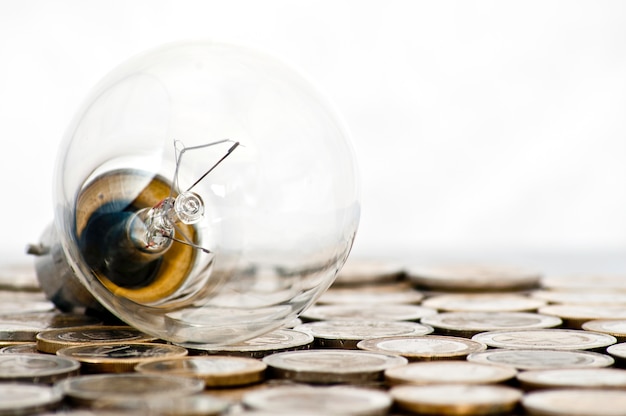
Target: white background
x=480 y=126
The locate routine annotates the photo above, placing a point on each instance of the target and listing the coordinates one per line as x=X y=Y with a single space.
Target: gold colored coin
x=53 y=340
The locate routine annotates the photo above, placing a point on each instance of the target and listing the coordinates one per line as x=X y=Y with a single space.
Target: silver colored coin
x=425 y=348
x=357 y=272
x=8 y=307
x=614 y=327
x=25 y=327
x=53 y=340
x=19 y=277
x=574 y=377
x=575 y=402
x=483 y=302
x=542 y=359
x=36 y=368
x=449 y=372
x=334 y=400
x=556 y=339
x=24 y=348
x=592 y=283
x=346 y=334
x=381 y=312
x=195 y=405
x=484 y=278
x=456 y=399
x=331 y=366
x=471 y=323
x=574 y=316
x=581 y=297
x=114 y=390
x=396 y=294
x=276 y=341
x=618 y=351
x=27 y=399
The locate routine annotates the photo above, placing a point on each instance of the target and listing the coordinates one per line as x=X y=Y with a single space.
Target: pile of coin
x=383 y=340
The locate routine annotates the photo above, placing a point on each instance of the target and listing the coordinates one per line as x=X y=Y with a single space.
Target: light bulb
x=205 y=193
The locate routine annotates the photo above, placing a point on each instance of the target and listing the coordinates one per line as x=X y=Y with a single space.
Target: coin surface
x=390 y=294
x=592 y=283
x=368 y=272
x=103 y=390
x=542 y=359
x=194 y=405
x=618 y=351
x=574 y=316
x=614 y=327
x=27 y=347
x=36 y=368
x=346 y=334
x=449 y=372
x=10 y=307
x=276 y=341
x=53 y=340
x=483 y=302
x=573 y=377
x=215 y=371
x=25 y=327
x=468 y=324
x=331 y=366
x=484 y=278
x=456 y=399
x=427 y=347
x=118 y=357
x=19 y=277
x=575 y=402
x=321 y=400
x=373 y=312
x=581 y=297
x=557 y=339
x=27 y=399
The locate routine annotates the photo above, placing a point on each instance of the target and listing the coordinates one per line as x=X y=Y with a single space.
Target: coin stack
x=383 y=340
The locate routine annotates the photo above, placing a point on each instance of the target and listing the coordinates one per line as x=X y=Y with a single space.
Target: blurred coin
x=574 y=316
x=216 y=371
x=618 y=352
x=331 y=366
x=573 y=377
x=19 y=277
x=542 y=359
x=555 y=339
x=482 y=278
x=581 y=298
x=8 y=307
x=370 y=294
x=335 y=400
x=367 y=272
x=27 y=399
x=467 y=324
x=25 y=327
x=373 y=312
x=585 y=283
x=53 y=340
x=425 y=348
x=27 y=347
x=483 y=302
x=195 y=405
x=614 y=327
x=575 y=402
x=102 y=390
x=118 y=357
x=270 y=343
x=36 y=368
x=449 y=372
x=346 y=334
x=456 y=399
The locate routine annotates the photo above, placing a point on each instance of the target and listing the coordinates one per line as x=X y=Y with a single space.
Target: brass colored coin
x=118 y=357
x=601 y=378
x=574 y=316
x=53 y=340
x=346 y=334
x=468 y=324
x=555 y=339
x=466 y=278
x=449 y=372
x=575 y=402
x=380 y=312
x=614 y=327
x=424 y=348
x=483 y=302
x=542 y=359
x=36 y=368
x=119 y=390
x=320 y=400
x=216 y=371
x=331 y=366
x=581 y=297
x=357 y=272
x=371 y=294
x=27 y=399
x=456 y=399
x=25 y=327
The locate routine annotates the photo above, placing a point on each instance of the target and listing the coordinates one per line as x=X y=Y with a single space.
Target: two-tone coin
x=423 y=348
x=389 y=294
x=347 y=334
x=614 y=327
x=118 y=357
x=574 y=316
x=276 y=341
x=25 y=327
x=27 y=399
x=483 y=302
x=468 y=324
x=321 y=400
x=449 y=372
x=356 y=272
x=601 y=378
x=331 y=366
x=373 y=312
x=575 y=402
x=36 y=368
x=557 y=339
x=215 y=371
x=456 y=399
x=53 y=340
x=542 y=359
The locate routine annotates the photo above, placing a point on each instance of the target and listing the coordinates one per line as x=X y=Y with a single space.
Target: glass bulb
x=206 y=193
